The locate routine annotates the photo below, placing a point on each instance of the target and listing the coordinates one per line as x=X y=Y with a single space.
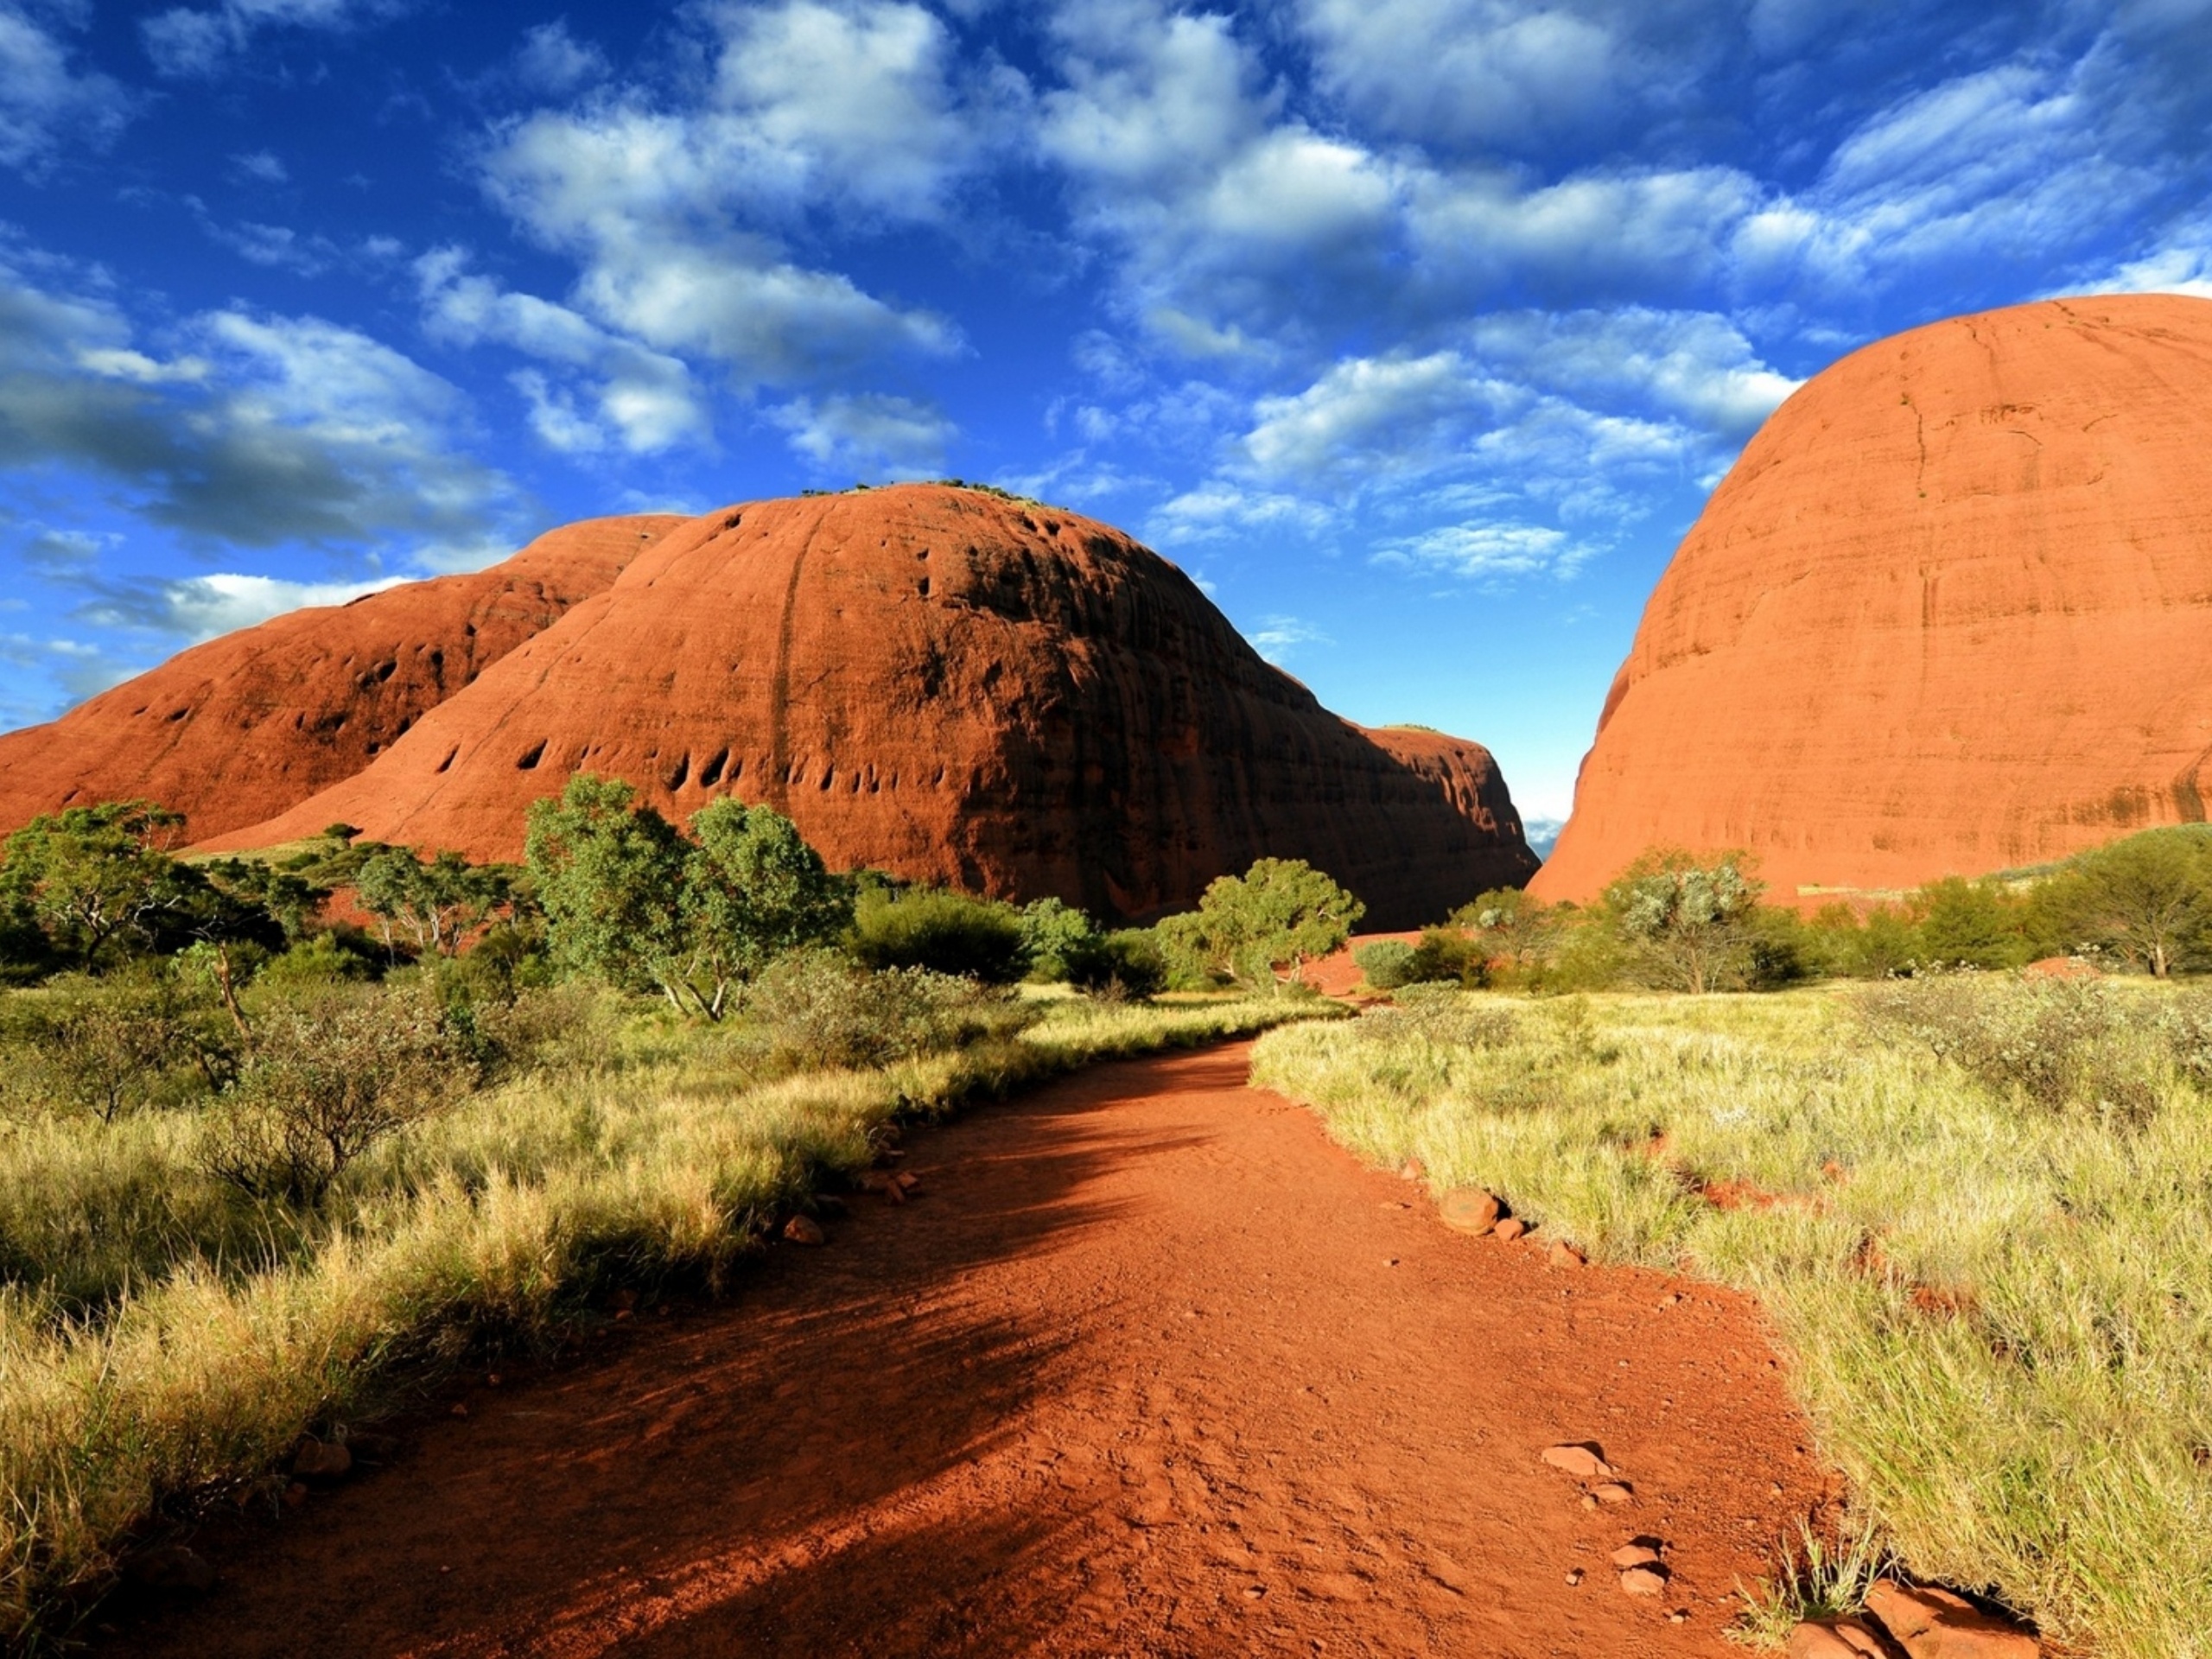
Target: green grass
x=2049 y=1440
x=159 y=1336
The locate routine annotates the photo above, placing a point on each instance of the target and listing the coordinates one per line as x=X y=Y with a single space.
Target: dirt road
x=1149 y=1368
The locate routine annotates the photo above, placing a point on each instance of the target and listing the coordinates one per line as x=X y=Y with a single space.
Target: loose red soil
x=1148 y=1366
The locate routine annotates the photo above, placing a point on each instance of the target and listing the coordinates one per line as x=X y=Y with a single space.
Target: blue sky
x=1416 y=329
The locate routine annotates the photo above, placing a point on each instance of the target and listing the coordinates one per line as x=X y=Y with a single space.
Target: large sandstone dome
x=955 y=687
x=241 y=728
x=1951 y=613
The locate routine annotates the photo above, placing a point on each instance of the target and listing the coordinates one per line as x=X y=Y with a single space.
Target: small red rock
x=1511 y=1228
x=1469 y=1209
x=1931 y=1624
x=1580 y=1459
x=1566 y=1255
x=907 y=1180
x=1613 y=1492
x=1644 y=1580
x=803 y=1229
x=1413 y=1170
x=321 y=1460
x=1833 y=1638
x=1635 y=1554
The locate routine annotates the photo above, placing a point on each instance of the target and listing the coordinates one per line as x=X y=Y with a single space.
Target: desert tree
x=1689 y=925
x=753 y=890
x=1261 y=928
x=2147 y=899
x=609 y=876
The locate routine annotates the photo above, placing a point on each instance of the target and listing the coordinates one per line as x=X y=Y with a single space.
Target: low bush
x=820 y=1009
x=1127 y=963
x=941 y=931
x=1383 y=964
x=324 y=1080
x=2053 y=1045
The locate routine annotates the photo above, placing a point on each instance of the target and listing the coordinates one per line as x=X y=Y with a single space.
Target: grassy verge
x=2000 y=1312
x=157 y=1337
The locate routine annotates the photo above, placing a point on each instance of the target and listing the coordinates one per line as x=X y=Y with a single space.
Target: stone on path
x=803 y=1229
x=1580 y=1459
x=1931 y=1624
x=321 y=1460
x=1644 y=1580
x=1566 y=1255
x=1833 y=1638
x=1613 y=1492
x=1511 y=1228
x=1636 y=1554
x=1469 y=1209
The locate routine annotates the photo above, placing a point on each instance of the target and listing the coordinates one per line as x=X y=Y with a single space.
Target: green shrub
x=320 y=961
x=328 y=1078
x=1383 y=964
x=1439 y=1013
x=943 y=931
x=2056 y=1045
x=1970 y=924
x=819 y=1009
x=1445 y=956
x=140 y=1037
x=1055 y=935
x=1126 y=963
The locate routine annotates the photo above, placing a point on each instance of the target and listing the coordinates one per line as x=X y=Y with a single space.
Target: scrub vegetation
x=1672 y=922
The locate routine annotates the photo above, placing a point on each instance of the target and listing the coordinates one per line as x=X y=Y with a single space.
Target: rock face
x=955 y=687
x=244 y=727
x=1949 y=614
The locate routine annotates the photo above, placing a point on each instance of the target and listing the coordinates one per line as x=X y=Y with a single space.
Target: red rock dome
x=954 y=686
x=241 y=728
x=1950 y=613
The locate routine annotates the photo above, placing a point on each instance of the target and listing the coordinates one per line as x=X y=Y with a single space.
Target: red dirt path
x=1149 y=1367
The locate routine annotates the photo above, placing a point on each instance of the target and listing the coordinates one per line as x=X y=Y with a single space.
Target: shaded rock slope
x=1950 y=613
x=249 y=725
x=953 y=686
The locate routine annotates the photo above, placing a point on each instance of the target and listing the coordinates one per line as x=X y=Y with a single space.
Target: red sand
x=1149 y=1367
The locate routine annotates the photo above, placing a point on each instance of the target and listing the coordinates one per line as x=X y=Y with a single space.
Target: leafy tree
x=2148 y=898
x=1689 y=925
x=1275 y=917
x=754 y=889
x=610 y=880
x=1054 y=936
x=288 y=894
x=440 y=901
x=96 y=880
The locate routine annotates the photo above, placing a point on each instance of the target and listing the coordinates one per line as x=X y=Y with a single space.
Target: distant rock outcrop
x=953 y=686
x=1950 y=613
x=249 y=725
